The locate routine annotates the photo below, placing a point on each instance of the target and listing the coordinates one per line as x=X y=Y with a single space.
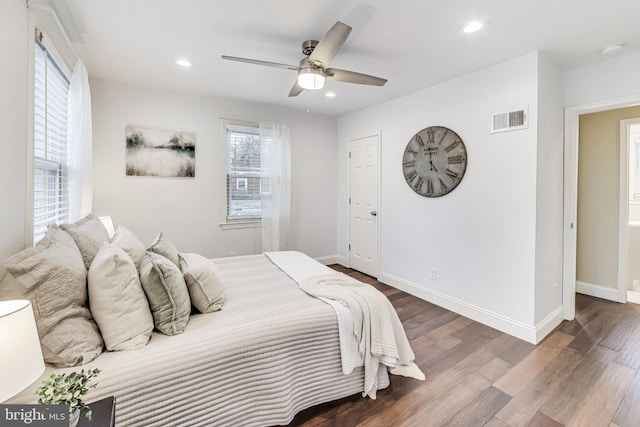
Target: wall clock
x=434 y=161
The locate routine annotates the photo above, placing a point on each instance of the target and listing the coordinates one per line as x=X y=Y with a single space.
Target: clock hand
x=433 y=168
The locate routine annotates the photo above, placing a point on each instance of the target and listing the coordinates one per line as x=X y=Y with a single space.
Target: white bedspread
x=373 y=321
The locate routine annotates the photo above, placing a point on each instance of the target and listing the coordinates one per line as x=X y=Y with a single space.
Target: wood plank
x=530 y=399
x=493 y=370
x=601 y=404
x=563 y=403
x=438 y=411
x=541 y=420
x=487 y=353
x=496 y=422
x=628 y=414
x=533 y=364
x=481 y=409
x=516 y=351
x=410 y=404
x=449 y=328
x=624 y=329
x=594 y=331
x=448 y=358
x=629 y=354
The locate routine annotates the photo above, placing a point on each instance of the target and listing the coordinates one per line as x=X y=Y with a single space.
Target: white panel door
x=364 y=176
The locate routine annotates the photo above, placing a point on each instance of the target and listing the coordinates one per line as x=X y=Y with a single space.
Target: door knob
x=374 y=213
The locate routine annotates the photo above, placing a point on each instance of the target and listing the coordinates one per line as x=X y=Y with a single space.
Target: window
x=243 y=171
x=50 y=178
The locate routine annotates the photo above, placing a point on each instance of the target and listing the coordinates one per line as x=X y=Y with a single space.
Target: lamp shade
x=21 y=360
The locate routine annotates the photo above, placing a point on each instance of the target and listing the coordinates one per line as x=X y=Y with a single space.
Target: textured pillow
x=53 y=277
x=118 y=303
x=167 y=293
x=203 y=281
x=127 y=240
x=164 y=247
x=89 y=234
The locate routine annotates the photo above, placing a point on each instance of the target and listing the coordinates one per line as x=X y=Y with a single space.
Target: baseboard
x=597 y=291
x=509 y=326
x=545 y=327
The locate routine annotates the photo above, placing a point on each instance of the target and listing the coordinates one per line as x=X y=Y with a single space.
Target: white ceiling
x=412 y=43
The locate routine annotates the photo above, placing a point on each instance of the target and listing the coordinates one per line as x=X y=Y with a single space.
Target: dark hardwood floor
x=585 y=373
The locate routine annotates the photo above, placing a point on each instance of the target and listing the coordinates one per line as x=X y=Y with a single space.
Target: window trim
x=234 y=223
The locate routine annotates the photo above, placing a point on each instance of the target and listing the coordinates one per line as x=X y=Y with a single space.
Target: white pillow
x=203 y=281
x=132 y=245
x=118 y=303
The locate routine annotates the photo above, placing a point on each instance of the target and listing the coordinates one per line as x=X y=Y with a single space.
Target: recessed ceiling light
x=472 y=27
x=183 y=63
x=330 y=94
x=610 y=48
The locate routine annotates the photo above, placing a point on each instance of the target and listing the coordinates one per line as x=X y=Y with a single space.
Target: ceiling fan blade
x=258 y=62
x=353 y=77
x=330 y=44
x=296 y=89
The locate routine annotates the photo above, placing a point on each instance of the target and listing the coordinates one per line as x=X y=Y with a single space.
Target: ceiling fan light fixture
x=473 y=26
x=310 y=78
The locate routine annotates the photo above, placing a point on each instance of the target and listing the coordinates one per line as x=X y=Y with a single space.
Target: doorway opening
x=571 y=142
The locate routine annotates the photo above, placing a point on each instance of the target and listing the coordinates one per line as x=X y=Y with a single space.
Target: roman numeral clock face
x=434 y=161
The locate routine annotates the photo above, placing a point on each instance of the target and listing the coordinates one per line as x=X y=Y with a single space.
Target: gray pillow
x=132 y=245
x=89 y=233
x=204 y=282
x=117 y=301
x=164 y=247
x=53 y=277
x=166 y=292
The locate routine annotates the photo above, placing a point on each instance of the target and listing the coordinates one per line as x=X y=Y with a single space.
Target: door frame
x=570 y=226
x=379 y=195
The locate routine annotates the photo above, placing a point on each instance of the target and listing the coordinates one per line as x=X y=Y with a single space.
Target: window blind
x=243 y=172
x=50 y=179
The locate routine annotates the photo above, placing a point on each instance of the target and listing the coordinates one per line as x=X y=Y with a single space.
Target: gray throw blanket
x=380 y=334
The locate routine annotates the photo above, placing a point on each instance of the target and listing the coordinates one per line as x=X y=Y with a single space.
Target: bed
x=272 y=351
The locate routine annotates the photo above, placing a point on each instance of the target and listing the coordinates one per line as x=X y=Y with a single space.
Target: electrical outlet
x=434 y=274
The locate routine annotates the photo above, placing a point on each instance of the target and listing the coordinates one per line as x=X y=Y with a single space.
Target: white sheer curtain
x=80 y=162
x=275 y=174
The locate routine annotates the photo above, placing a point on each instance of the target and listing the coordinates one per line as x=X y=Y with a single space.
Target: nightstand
x=103 y=414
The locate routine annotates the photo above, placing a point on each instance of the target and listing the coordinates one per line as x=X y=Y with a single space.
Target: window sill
x=233 y=225
x=634 y=224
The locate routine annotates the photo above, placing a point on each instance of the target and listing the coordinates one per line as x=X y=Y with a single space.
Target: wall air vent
x=513 y=120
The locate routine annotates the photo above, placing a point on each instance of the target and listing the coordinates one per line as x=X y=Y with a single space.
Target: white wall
x=482 y=236
x=607 y=80
x=549 y=197
x=190 y=210
x=13 y=122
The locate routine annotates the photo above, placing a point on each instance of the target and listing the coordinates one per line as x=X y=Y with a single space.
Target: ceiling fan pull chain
x=308 y=102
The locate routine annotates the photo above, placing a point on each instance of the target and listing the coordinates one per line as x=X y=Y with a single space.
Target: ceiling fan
x=312 y=70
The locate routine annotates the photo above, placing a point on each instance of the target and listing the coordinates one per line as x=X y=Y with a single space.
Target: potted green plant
x=68 y=389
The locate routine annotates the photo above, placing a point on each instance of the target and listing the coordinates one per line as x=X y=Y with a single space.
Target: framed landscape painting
x=160 y=152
